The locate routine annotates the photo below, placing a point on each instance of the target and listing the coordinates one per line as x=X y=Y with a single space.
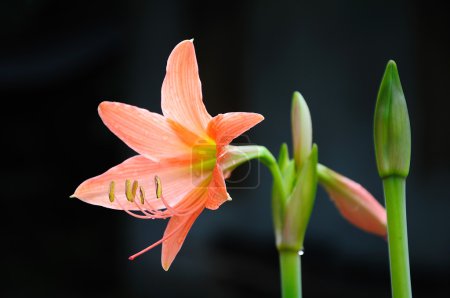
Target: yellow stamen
x=130 y=192
x=158 y=187
x=134 y=188
x=112 y=185
x=142 y=194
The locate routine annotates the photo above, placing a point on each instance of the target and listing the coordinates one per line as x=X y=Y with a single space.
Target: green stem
x=289 y=260
x=266 y=158
x=394 y=194
x=246 y=153
x=291 y=285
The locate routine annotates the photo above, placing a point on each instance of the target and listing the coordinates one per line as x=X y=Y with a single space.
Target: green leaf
x=283 y=157
x=289 y=176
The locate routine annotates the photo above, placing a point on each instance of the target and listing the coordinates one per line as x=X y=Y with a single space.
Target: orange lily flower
x=180 y=155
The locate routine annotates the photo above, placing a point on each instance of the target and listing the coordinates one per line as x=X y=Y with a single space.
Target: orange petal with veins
x=176 y=178
x=181 y=94
x=179 y=226
x=226 y=127
x=217 y=190
x=147 y=133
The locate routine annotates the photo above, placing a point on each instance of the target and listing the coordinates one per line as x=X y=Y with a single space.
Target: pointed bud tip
x=296 y=95
x=391 y=63
x=297 y=100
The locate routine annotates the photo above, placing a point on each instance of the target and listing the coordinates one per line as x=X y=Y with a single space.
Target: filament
x=166 y=237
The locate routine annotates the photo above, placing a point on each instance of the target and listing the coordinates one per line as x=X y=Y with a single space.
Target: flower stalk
x=394 y=193
x=289 y=229
x=392 y=136
x=290 y=268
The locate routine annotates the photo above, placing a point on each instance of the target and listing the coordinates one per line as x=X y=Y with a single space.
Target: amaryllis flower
x=178 y=171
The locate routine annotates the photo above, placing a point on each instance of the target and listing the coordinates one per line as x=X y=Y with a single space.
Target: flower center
x=203 y=157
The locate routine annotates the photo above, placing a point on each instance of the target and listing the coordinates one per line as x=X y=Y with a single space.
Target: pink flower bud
x=354 y=202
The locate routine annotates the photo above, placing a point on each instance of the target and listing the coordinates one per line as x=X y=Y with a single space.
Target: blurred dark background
x=60 y=59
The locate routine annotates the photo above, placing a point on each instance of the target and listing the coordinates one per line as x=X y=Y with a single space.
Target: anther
x=112 y=185
x=130 y=191
x=158 y=187
x=142 y=194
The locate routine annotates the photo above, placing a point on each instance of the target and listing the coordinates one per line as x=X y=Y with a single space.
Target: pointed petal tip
x=104 y=106
x=184 y=43
x=100 y=107
x=73 y=196
x=185 y=47
x=258 y=117
x=166 y=266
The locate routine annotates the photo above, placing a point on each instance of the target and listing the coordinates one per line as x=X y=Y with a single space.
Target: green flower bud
x=392 y=132
x=301 y=129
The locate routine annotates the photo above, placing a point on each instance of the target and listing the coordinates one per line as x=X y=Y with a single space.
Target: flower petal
x=172 y=245
x=217 y=190
x=223 y=128
x=181 y=90
x=147 y=133
x=176 y=178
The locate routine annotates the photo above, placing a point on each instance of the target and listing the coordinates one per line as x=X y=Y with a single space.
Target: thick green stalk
x=291 y=286
x=394 y=193
x=289 y=259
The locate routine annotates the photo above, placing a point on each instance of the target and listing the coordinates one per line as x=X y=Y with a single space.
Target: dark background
x=60 y=59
